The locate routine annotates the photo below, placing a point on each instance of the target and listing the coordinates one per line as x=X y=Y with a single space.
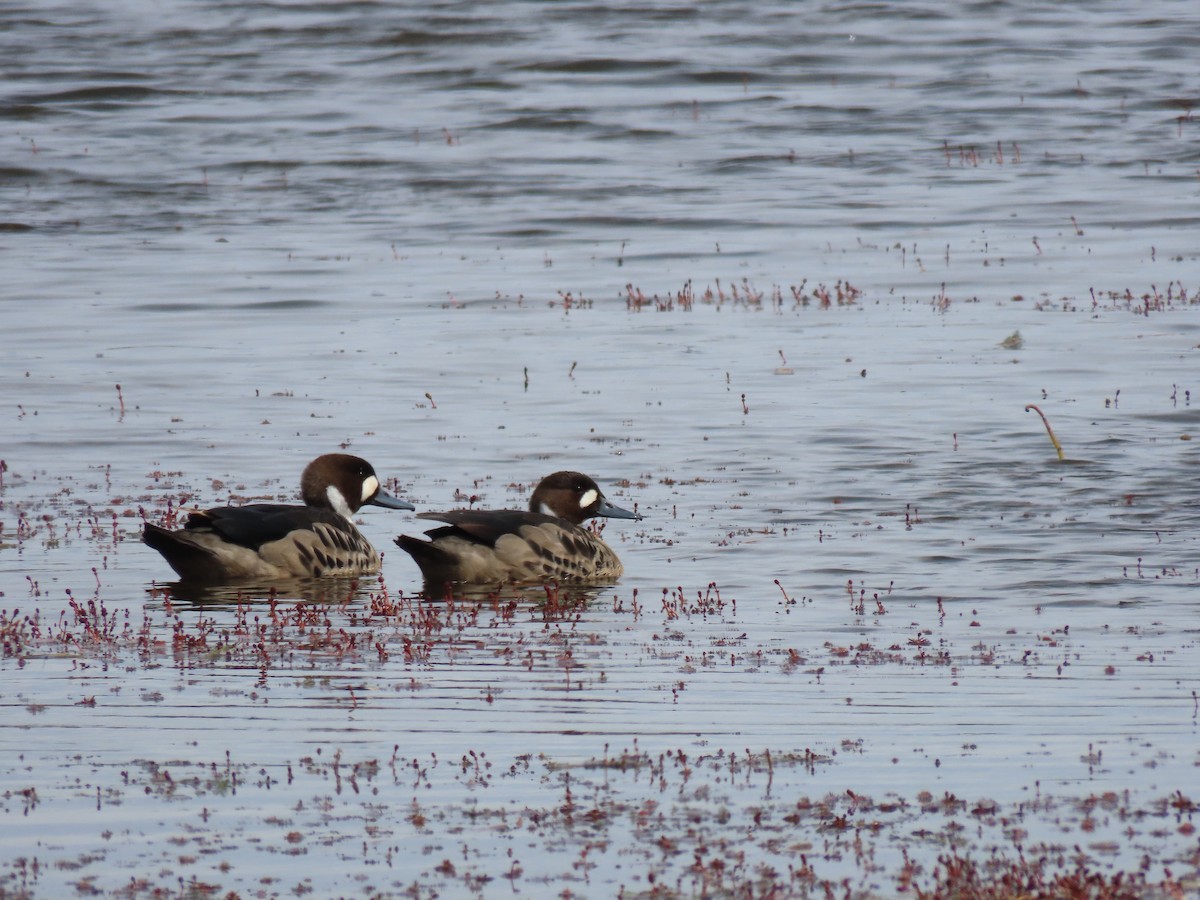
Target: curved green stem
x=1049 y=430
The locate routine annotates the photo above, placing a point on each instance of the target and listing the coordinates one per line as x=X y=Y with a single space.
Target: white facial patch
x=338 y=502
x=588 y=498
x=370 y=486
x=547 y=511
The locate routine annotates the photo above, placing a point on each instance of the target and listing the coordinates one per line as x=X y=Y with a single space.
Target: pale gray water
x=279 y=227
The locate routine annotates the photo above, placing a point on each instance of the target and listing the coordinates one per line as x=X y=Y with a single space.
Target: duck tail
x=189 y=560
x=437 y=566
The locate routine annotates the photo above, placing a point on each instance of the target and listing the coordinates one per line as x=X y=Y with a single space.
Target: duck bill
x=387 y=501
x=615 y=512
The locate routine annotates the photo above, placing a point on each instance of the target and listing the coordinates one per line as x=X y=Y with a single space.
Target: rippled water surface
x=784 y=276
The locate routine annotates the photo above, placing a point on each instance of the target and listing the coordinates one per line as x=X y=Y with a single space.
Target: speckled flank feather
x=551 y=551
x=330 y=548
x=522 y=547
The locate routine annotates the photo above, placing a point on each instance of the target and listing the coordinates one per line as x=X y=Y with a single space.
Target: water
x=868 y=606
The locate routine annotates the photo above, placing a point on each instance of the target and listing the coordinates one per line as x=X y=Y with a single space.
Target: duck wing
x=484 y=526
x=261 y=523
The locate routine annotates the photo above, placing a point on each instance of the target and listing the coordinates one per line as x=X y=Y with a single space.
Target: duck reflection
x=323 y=591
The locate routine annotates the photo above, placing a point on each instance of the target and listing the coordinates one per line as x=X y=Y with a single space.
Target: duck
x=544 y=544
x=277 y=540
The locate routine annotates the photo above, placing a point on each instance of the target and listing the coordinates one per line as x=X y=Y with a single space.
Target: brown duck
x=544 y=544
x=275 y=540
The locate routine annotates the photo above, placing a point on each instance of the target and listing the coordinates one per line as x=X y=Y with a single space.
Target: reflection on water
x=297 y=590
x=550 y=596
x=333 y=590
x=758 y=267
